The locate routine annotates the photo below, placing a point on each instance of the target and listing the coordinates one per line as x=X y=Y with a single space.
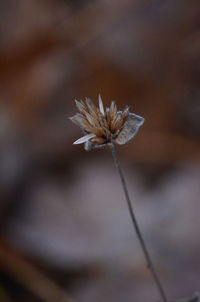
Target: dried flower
x=102 y=126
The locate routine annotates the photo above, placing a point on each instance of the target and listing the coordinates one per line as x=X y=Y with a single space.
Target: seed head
x=102 y=126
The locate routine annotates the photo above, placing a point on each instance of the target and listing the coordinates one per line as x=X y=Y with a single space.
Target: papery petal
x=101 y=108
x=117 y=122
x=129 y=129
x=89 y=146
x=80 y=105
x=84 y=139
x=81 y=121
x=90 y=106
x=90 y=119
x=113 y=110
x=125 y=112
x=77 y=119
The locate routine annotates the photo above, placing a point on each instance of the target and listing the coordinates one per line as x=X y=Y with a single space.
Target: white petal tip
x=77 y=142
x=84 y=139
x=101 y=108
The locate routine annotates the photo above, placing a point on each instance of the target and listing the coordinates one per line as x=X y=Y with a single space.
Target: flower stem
x=150 y=265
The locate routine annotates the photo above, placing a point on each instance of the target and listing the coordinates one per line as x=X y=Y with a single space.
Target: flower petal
x=88 y=145
x=80 y=105
x=129 y=129
x=101 y=108
x=84 y=139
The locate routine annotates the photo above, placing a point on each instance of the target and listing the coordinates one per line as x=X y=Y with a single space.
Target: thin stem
x=136 y=227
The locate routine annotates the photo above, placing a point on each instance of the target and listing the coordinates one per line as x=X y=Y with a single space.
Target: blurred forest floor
x=65 y=229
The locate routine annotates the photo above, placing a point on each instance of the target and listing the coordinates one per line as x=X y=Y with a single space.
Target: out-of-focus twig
x=194 y=298
x=32 y=278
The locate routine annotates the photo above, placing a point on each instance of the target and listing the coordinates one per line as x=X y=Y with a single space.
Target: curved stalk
x=150 y=264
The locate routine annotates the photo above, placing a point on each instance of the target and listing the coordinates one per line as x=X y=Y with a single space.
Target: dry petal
x=116 y=123
x=81 y=106
x=130 y=128
x=101 y=108
x=125 y=112
x=84 y=139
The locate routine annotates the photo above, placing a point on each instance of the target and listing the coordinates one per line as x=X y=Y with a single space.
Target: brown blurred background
x=65 y=228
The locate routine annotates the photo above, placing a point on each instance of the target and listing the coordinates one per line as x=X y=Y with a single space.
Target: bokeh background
x=65 y=228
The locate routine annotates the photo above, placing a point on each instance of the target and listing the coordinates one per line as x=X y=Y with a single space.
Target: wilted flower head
x=105 y=125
